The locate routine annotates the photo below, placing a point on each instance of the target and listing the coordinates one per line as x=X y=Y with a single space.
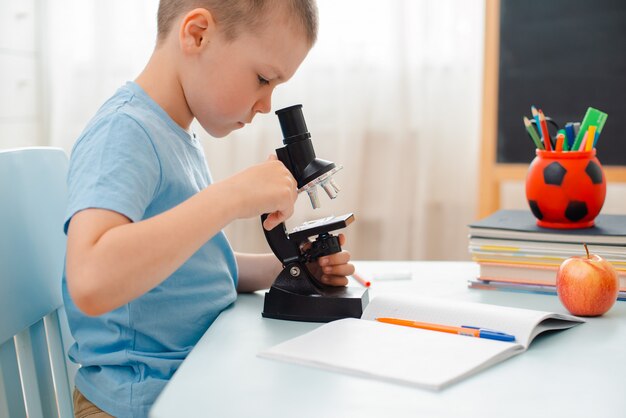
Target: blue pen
x=491 y=334
x=570 y=135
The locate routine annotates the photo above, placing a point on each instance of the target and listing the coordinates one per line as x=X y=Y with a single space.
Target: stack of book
x=515 y=254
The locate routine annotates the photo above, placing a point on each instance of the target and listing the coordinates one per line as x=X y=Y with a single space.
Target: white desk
x=580 y=372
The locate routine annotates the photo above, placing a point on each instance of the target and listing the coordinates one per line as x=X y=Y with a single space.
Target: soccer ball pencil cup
x=565 y=190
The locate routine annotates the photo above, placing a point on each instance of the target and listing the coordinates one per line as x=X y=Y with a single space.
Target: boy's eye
x=263 y=81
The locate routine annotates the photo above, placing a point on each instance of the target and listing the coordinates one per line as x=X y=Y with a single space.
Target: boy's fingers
x=334 y=280
x=340 y=270
x=273 y=219
x=342 y=240
x=270 y=222
x=272 y=157
x=335 y=259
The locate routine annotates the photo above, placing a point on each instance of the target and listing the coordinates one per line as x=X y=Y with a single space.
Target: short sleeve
x=113 y=166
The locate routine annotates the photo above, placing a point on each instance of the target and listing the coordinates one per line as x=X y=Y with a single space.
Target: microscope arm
x=283 y=248
x=295 y=276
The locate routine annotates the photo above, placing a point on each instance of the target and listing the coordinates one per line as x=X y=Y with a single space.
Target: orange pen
x=465 y=330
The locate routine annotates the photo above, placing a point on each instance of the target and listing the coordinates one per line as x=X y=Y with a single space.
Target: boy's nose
x=264 y=105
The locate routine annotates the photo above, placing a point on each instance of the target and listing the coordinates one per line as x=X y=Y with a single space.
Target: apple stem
x=586 y=249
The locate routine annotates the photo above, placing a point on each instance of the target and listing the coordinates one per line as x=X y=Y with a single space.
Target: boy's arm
x=111 y=260
x=256 y=271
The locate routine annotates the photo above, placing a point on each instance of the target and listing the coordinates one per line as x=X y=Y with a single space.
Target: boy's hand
x=333 y=269
x=267 y=187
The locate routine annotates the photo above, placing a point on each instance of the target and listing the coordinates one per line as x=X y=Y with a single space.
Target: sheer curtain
x=391 y=91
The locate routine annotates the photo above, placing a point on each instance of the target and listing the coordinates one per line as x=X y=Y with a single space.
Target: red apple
x=587 y=286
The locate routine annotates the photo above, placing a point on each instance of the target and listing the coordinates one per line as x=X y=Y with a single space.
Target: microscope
x=296 y=294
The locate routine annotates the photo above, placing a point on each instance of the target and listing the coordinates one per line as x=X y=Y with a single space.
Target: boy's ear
x=196 y=29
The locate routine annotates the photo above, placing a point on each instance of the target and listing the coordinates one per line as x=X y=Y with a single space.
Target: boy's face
x=228 y=82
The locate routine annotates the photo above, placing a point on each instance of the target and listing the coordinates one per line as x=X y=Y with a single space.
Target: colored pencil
x=544 y=131
x=535 y=114
x=591 y=134
x=564 y=133
x=532 y=133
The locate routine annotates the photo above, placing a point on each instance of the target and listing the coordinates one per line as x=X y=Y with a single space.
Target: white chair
x=33 y=372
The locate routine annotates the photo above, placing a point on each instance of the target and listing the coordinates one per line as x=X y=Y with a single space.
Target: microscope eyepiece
x=292 y=124
x=299 y=157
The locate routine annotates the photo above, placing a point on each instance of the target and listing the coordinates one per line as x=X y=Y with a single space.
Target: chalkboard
x=561 y=56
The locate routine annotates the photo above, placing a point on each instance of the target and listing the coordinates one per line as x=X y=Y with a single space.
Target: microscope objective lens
x=329 y=189
x=315 y=202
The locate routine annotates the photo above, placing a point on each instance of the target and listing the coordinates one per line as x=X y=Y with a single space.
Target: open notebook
x=412 y=356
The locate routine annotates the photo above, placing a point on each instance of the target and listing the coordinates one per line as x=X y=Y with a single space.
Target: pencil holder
x=565 y=190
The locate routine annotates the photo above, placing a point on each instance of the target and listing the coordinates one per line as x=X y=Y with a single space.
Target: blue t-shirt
x=134 y=159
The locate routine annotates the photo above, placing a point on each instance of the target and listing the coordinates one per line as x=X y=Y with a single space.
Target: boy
x=148 y=268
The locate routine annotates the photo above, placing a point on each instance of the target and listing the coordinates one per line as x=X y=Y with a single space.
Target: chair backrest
x=33 y=373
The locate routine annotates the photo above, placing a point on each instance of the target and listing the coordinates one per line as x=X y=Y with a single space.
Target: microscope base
x=333 y=303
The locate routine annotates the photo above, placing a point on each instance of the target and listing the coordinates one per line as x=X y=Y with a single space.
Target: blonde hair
x=234 y=15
